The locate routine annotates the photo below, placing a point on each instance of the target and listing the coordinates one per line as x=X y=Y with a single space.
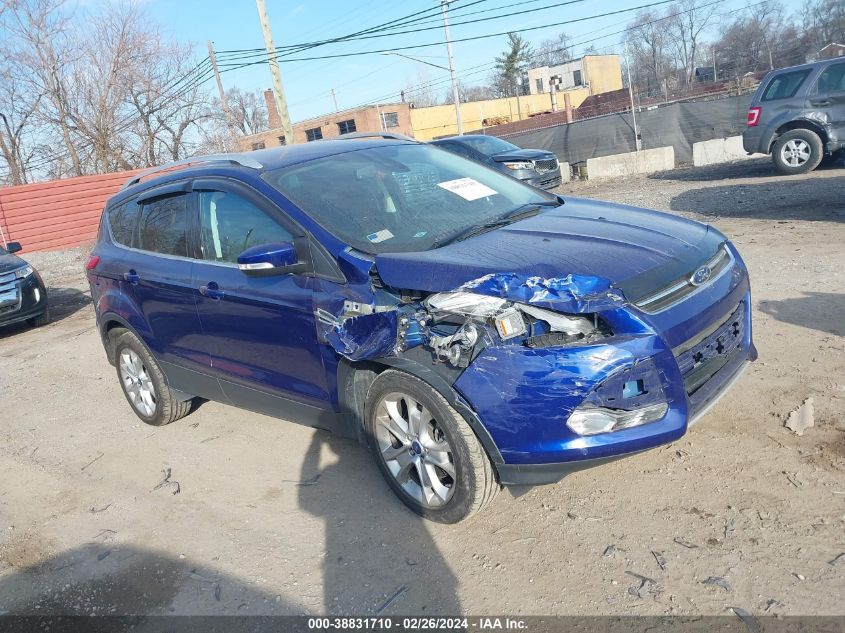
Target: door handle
x=212 y=291
x=132 y=277
x=820 y=102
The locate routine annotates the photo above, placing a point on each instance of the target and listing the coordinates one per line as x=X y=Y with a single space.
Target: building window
x=539 y=84
x=282 y=140
x=345 y=127
x=576 y=77
x=390 y=119
x=314 y=134
x=258 y=145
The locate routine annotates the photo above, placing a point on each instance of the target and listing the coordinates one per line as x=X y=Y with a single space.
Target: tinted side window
x=231 y=224
x=164 y=226
x=123 y=220
x=832 y=79
x=785 y=86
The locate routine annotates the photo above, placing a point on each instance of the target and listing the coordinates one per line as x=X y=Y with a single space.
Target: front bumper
x=26 y=299
x=548 y=180
x=524 y=397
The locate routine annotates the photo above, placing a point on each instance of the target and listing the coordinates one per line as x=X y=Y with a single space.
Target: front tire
x=41 y=320
x=797 y=152
x=144 y=384
x=426 y=451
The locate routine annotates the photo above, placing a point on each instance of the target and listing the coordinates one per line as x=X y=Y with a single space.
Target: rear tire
x=797 y=151
x=426 y=451
x=144 y=384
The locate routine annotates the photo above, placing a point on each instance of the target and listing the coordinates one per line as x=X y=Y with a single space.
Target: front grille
x=700 y=358
x=542 y=166
x=10 y=297
x=681 y=288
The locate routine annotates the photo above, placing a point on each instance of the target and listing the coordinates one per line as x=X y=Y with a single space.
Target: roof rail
x=233 y=159
x=387 y=135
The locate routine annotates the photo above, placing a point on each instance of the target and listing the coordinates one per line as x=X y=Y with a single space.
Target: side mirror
x=274 y=259
x=14 y=247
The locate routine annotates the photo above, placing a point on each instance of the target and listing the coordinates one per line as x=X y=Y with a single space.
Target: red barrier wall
x=59 y=213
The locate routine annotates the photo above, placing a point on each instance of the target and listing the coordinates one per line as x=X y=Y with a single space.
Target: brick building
x=388 y=117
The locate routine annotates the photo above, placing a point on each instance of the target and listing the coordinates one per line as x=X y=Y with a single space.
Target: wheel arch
x=800 y=124
x=354 y=380
x=109 y=324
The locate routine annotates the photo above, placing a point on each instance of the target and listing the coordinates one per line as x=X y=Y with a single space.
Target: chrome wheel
x=795 y=152
x=137 y=382
x=415 y=449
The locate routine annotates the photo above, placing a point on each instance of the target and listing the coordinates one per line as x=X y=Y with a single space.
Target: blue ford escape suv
x=472 y=330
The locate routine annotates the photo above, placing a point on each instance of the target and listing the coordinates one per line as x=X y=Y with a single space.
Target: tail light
x=92 y=262
x=753 y=116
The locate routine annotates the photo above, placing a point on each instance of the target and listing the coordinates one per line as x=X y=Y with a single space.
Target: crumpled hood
x=10 y=262
x=633 y=250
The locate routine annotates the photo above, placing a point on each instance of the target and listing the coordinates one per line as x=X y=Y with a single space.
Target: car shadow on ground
x=805 y=199
x=747 y=168
x=374 y=545
x=120 y=580
x=64 y=302
x=822 y=311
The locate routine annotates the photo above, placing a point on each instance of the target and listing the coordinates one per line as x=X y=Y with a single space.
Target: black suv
x=23 y=296
x=797 y=115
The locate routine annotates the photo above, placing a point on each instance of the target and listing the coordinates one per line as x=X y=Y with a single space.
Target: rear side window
x=123 y=220
x=785 y=86
x=832 y=79
x=163 y=227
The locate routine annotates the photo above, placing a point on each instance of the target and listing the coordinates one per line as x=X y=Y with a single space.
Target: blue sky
x=234 y=24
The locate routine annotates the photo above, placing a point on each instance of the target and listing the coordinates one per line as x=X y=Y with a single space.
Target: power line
x=378 y=32
x=478 y=37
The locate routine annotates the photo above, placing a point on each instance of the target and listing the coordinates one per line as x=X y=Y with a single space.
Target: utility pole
x=715 y=76
x=223 y=100
x=334 y=98
x=631 y=96
x=278 y=89
x=455 y=95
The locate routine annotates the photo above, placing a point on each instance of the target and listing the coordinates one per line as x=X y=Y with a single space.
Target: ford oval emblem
x=701 y=276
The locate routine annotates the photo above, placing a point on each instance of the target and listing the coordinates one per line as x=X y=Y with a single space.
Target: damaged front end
x=455 y=326
x=561 y=350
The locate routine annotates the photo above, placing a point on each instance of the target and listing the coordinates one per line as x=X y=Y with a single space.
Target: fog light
x=594 y=420
x=36 y=294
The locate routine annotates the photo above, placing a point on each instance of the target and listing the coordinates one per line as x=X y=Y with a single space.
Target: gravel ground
x=277 y=518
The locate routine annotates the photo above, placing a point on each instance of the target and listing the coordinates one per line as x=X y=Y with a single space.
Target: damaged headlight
x=516 y=319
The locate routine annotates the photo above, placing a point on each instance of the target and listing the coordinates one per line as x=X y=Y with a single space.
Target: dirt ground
x=272 y=517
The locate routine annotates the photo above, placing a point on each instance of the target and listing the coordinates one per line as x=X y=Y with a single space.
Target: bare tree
x=468 y=94
x=687 y=22
x=649 y=44
x=553 y=52
x=824 y=23
x=249 y=116
x=421 y=92
x=95 y=91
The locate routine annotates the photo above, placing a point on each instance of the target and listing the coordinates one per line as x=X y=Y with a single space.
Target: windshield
x=401 y=197
x=488 y=145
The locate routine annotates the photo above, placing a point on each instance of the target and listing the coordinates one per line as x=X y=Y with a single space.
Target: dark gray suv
x=797 y=115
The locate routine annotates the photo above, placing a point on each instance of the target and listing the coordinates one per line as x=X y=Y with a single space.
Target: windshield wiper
x=514 y=215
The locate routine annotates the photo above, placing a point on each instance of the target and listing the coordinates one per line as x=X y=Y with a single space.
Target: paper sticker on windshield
x=380 y=236
x=467 y=188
